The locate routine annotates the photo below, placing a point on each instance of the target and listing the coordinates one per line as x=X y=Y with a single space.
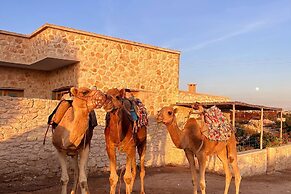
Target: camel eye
x=170 y=113
x=85 y=93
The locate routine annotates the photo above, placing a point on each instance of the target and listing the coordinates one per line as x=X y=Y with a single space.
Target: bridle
x=96 y=98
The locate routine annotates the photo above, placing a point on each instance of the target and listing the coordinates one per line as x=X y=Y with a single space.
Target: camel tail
x=229 y=155
x=231 y=149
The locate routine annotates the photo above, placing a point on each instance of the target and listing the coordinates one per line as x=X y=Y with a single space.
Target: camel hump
x=58 y=113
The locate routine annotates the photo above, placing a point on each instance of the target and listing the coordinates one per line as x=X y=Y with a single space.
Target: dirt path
x=172 y=180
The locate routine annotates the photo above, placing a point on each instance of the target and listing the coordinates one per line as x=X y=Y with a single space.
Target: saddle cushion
x=77 y=139
x=218 y=127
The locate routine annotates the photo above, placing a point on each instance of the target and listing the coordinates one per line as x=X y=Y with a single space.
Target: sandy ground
x=172 y=180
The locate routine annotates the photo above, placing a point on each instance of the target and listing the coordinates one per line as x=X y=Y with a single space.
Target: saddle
x=58 y=113
x=136 y=110
x=217 y=126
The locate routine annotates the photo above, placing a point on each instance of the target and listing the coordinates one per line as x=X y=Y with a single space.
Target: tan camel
x=73 y=134
x=119 y=133
x=191 y=140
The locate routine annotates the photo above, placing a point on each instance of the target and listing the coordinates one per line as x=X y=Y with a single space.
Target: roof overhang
x=45 y=64
x=229 y=106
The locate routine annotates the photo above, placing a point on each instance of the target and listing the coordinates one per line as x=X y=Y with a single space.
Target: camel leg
x=190 y=158
x=113 y=179
x=202 y=167
x=84 y=155
x=76 y=174
x=141 y=151
x=233 y=154
x=223 y=157
x=64 y=176
x=128 y=174
x=133 y=164
x=236 y=175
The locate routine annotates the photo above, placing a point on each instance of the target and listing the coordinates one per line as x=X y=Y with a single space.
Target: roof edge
x=202 y=94
x=63 y=28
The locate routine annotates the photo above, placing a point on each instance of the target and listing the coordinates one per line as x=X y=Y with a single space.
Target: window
x=11 y=92
x=58 y=93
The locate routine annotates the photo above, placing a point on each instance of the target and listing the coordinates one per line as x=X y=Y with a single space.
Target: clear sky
x=240 y=49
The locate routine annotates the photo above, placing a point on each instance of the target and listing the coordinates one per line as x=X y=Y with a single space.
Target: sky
x=239 y=49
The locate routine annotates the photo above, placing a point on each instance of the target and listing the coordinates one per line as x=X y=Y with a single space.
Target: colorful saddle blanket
x=141 y=113
x=219 y=129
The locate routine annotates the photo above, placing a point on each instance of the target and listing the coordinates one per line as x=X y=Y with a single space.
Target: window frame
x=59 y=92
x=5 y=92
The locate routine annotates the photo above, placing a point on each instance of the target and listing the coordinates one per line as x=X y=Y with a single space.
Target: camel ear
x=122 y=93
x=74 y=91
x=175 y=110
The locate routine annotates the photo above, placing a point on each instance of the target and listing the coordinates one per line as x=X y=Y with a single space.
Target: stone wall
x=103 y=61
x=279 y=158
x=33 y=82
x=23 y=157
x=187 y=97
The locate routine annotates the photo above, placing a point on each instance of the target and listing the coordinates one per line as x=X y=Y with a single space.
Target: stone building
x=40 y=67
x=46 y=63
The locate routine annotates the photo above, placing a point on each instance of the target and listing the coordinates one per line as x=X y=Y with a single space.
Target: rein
x=48 y=126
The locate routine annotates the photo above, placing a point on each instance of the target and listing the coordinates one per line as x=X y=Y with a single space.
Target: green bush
x=269 y=140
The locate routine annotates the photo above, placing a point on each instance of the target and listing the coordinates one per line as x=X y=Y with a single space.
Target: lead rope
x=48 y=126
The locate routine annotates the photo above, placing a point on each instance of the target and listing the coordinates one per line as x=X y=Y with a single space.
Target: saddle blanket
x=141 y=113
x=219 y=129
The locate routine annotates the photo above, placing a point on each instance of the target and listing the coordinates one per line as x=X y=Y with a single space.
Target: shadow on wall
x=25 y=161
x=23 y=158
x=156 y=142
x=62 y=45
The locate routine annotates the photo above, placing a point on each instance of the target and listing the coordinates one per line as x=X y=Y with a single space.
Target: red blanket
x=219 y=129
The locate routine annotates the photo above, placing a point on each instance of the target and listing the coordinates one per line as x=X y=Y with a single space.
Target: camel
x=194 y=143
x=119 y=133
x=72 y=135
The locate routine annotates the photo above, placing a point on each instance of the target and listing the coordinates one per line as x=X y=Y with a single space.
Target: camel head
x=84 y=98
x=166 y=115
x=113 y=99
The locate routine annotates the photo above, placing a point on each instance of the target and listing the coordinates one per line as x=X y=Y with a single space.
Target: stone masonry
x=103 y=61
x=24 y=158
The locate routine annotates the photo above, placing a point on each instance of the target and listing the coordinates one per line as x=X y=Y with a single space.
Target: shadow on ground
x=172 y=180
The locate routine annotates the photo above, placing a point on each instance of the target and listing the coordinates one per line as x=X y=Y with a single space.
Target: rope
x=200 y=147
x=48 y=126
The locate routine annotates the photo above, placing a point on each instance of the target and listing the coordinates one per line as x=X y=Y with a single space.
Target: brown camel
x=119 y=133
x=73 y=134
x=191 y=140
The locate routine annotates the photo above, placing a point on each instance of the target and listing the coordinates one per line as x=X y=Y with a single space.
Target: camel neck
x=80 y=113
x=175 y=133
x=80 y=120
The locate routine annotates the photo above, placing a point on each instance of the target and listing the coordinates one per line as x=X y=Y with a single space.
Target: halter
x=95 y=98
